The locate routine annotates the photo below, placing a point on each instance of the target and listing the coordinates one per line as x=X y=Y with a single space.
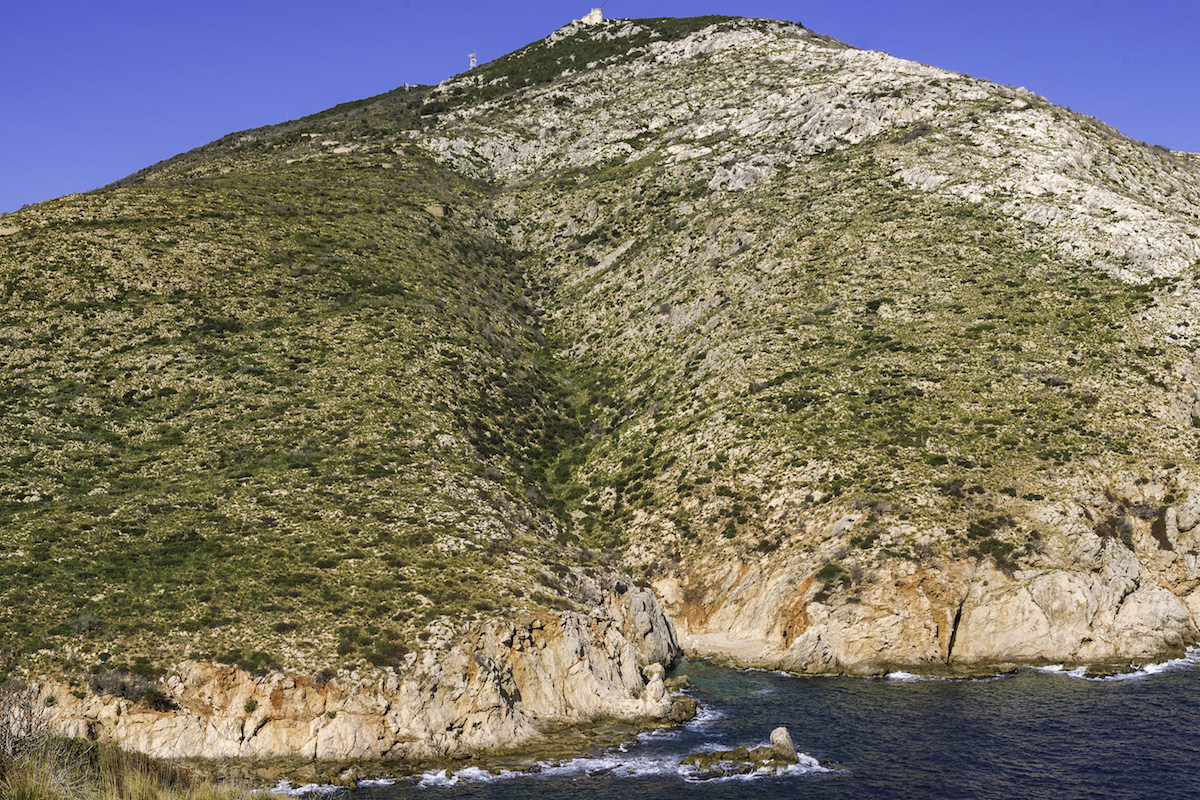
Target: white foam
x=620 y=766
x=437 y=777
x=1147 y=670
x=657 y=735
x=705 y=717
x=1061 y=669
x=1190 y=660
x=286 y=788
x=806 y=765
x=615 y=765
x=900 y=676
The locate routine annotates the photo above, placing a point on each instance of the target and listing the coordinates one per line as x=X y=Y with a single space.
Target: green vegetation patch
x=242 y=414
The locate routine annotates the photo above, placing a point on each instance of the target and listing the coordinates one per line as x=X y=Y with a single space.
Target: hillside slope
x=267 y=412
x=857 y=362
x=882 y=364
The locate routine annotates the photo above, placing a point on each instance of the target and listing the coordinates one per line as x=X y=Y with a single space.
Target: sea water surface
x=1048 y=733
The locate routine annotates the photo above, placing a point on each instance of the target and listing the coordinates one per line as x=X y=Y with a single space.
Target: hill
x=858 y=363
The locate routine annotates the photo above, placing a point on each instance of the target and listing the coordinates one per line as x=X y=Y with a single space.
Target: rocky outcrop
x=782 y=746
x=718 y=764
x=501 y=684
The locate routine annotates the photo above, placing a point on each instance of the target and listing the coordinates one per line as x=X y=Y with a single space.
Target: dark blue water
x=1029 y=735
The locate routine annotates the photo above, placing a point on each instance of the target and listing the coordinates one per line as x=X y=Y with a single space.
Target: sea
x=1050 y=732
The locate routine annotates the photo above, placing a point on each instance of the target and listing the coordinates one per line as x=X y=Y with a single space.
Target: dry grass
x=36 y=765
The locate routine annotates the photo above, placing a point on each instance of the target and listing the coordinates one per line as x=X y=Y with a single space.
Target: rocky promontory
x=500 y=684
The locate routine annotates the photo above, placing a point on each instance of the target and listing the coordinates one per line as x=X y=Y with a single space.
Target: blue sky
x=93 y=91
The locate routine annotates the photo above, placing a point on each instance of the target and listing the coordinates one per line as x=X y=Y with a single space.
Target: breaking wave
x=706 y=717
x=1190 y=660
x=612 y=766
x=900 y=676
x=321 y=789
x=908 y=677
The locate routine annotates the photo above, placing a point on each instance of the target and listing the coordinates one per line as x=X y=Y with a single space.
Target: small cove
x=1034 y=734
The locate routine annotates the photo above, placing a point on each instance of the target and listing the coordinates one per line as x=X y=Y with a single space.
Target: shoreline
x=1099 y=669
x=566 y=741
x=582 y=741
x=555 y=745
x=567 y=745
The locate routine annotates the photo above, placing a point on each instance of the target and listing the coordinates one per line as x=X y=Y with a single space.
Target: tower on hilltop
x=594 y=18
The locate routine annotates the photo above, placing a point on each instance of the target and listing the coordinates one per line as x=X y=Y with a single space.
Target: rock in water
x=782 y=745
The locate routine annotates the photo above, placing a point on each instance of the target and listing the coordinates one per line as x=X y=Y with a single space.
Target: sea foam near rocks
x=614 y=765
x=307 y=790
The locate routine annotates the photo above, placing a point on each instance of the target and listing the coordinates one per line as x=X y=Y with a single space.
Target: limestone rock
x=782 y=745
x=656 y=690
x=1096 y=601
x=1187 y=516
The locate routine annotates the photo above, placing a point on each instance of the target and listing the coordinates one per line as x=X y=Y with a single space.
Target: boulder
x=719 y=764
x=782 y=745
x=655 y=689
x=1187 y=516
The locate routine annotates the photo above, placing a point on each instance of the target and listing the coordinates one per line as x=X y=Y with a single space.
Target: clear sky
x=93 y=91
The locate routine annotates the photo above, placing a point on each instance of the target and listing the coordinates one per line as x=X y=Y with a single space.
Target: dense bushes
x=130 y=686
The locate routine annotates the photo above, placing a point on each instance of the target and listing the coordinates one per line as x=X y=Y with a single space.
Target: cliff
x=1090 y=600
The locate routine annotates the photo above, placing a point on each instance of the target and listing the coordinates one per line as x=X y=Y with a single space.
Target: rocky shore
x=506 y=685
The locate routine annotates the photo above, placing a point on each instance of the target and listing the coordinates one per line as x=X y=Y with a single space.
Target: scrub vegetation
x=311 y=396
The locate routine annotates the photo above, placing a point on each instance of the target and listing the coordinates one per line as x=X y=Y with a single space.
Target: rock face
x=1086 y=599
x=501 y=684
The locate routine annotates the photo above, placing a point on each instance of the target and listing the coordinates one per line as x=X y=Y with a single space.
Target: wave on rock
x=1190 y=660
x=616 y=765
x=307 y=790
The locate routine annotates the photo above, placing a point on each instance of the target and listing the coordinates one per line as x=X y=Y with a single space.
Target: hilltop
x=854 y=362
